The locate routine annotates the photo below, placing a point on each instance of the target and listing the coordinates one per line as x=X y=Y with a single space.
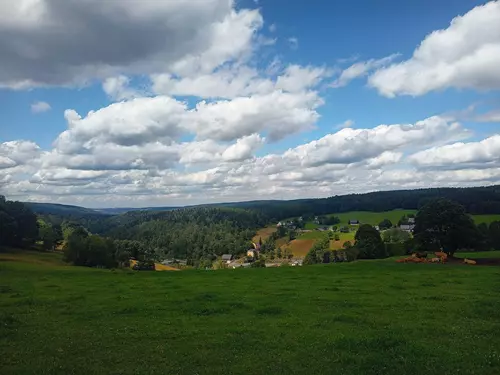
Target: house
x=407 y=227
x=227 y=258
x=280 y=224
x=411 y=220
x=254 y=253
x=353 y=222
x=377 y=228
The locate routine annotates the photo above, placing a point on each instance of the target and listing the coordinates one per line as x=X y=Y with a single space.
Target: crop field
x=367 y=317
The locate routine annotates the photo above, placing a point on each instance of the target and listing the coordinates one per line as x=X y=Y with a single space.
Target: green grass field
x=480 y=254
x=374 y=218
x=369 y=317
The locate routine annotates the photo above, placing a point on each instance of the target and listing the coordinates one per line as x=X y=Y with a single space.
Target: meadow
x=374 y=218
x=365 y=317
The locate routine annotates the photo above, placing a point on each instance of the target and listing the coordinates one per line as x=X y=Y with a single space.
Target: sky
x=178 y=102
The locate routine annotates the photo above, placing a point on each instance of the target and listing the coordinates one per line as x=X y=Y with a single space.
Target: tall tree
x=385 y=224
x=494 y=235
x=444 y=225
x=18 y=224
x=369 y=243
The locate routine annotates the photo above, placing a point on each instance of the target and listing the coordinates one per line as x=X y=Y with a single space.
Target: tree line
x=476 y=200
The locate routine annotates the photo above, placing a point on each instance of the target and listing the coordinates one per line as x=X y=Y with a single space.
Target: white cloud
x=118 y=88
x=272 y=28
x=481 y=155
x=118 y=37
x=354 y=145
x=243 y=148
x=346 y=124
x=492 y=116
x=39 y=107
x=466 y=55
x=277 y=114
x=15 y=153
x=238 y=81
x=361 y=69
x=353 y=160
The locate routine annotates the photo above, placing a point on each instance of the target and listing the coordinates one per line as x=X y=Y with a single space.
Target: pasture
x=367 y=317
x=374 y=218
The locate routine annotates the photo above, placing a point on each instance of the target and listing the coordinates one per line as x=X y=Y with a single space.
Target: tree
x=444 y=225
x=494 y=235
x=18 y=224
x=317 y=252
x=47 y=235
x=385 y=224
x=369 y=243
x=395 y=235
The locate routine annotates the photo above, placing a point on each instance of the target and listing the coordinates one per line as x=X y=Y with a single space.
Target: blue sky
x=213 y=100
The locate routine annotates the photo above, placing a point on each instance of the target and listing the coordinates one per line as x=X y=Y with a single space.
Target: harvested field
x=263 y=233
x=301 y=247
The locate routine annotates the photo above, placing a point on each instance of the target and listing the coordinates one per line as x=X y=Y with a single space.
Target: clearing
x=367 y=317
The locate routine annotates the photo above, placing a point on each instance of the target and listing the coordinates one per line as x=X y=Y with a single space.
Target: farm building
x=353 y=222
x=227 y=258
x=407 y=227
x=254 y=253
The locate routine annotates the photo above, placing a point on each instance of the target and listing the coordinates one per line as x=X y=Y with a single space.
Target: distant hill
x=61 y=209
x=122 y=210
x=476 y=200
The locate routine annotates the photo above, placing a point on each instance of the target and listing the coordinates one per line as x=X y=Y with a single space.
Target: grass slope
x=372 y=317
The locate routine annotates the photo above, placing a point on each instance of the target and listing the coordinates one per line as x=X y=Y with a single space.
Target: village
x=284 y=233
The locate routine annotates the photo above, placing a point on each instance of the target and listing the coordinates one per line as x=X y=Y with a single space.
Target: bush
x=395 y=249
x=261 y=263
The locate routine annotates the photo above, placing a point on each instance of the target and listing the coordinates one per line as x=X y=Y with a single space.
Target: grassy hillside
x=373 y=218
x=372 y=317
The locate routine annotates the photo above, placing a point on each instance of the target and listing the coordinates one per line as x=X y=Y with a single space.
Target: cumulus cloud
x=39 y=107
x=361 y=69
x=466 y=55
x=354 y=145
x=277 y=114
x=116 y=37
x=15 y=153
x=481 y=155
x=118 y=88
x=107 y=165
x=235 y=81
